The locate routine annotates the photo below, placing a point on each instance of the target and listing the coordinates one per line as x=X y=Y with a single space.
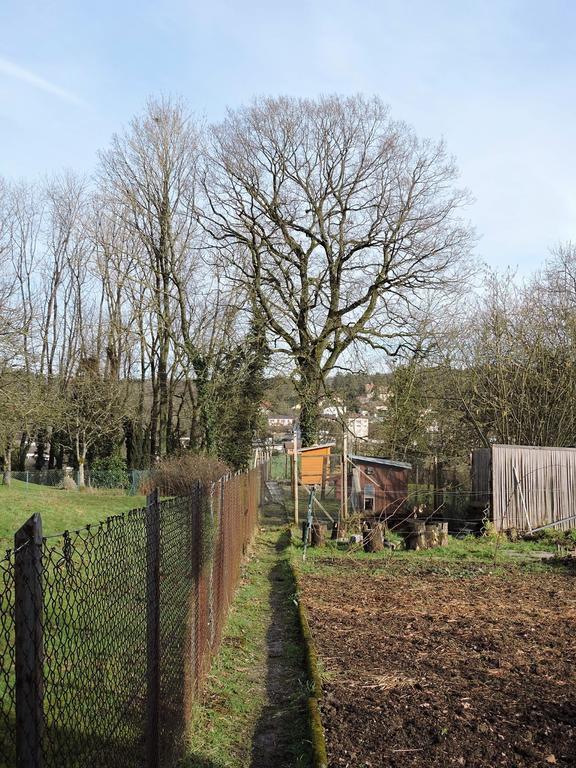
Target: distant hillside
x=280 y=396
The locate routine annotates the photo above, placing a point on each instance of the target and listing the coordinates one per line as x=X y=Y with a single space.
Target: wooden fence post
x=29 y=651
x=153 y=629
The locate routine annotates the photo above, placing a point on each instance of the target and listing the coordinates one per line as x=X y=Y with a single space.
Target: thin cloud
x=25 y=76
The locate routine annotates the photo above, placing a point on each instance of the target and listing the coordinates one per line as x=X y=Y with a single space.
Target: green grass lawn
x=60 y=510
x=489 y=550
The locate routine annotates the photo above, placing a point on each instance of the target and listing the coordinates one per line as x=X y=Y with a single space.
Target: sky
x=496 y=79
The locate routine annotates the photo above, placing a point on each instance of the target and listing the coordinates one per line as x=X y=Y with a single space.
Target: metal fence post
x=153 y=629
x=29 y=652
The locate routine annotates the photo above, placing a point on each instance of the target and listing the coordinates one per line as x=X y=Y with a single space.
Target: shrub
x=179 y=475
x=110 y=472
x=490 y=531
x=68 y=484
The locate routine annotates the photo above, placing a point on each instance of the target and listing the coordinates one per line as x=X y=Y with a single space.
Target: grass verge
x=492 y=553
x=319 y=752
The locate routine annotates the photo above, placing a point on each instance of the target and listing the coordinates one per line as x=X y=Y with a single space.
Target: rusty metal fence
x=107 y=632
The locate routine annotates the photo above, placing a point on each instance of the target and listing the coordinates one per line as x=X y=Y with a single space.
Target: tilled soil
x=427 y=668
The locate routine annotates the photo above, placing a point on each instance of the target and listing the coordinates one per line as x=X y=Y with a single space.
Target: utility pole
x=345 y=473
x=295 y=472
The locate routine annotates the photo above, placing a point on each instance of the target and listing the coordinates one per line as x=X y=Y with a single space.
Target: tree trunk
x=417 y=536
x=22 y=452
x=128 y=430
x=317 y=536
x=163 y=399
x=154 y=420
x=40 y=450
x=81 y=479
x=7 y=475
x=80 y=458
x=373 y=539
x=432 y=538
x=60 y=457
x=309 y=390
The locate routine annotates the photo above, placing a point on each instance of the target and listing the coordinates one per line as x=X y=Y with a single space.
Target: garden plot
x=429 y=664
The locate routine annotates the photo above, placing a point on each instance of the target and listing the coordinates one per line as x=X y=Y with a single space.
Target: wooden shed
x=314 y=463
x=524 y=486
x=378 y=487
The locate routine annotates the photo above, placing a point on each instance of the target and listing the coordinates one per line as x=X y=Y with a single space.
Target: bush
x=179 y=475
x=68 y=484
x=110 y=472
x=490 y=531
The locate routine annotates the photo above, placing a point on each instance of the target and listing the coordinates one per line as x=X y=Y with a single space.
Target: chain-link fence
x=129 y=481
x=107 y=632
x=7 y=663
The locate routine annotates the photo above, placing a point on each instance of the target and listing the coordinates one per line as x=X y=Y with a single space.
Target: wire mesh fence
x=129 y=481
x=7 y=663
x=107 y=632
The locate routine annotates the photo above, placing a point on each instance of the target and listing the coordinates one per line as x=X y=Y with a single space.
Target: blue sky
x=496 y=79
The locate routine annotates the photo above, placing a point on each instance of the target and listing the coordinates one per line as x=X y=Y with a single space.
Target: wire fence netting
x=107 y=666
x=129 y=481
x=7 y=663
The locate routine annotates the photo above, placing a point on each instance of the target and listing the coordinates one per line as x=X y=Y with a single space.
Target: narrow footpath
x=253 y=713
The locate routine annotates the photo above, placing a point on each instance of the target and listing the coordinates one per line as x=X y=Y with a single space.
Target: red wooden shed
x=378 y=487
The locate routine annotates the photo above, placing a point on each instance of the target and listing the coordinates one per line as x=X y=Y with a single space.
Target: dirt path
x=254 y=713
x=274 y=745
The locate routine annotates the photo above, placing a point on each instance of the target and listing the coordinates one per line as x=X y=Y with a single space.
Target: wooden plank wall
x=547 y=480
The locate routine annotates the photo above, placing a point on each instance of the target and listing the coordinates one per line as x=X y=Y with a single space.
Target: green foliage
x=109 y=472
x=490 y=531
x=279 y=392
x=554 y=536
x=241 y=393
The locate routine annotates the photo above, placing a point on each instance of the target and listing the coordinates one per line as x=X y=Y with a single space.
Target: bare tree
x=149 y=174
x=92 y=409
x=337 y=221
x=512 y=362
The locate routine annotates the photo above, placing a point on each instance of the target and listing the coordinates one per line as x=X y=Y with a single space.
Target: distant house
x=333 y=411
x=378 y=487
x=275 y=422
x=358 y=425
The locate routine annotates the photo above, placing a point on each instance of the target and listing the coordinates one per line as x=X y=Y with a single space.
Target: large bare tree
x=148 y=175
x=336 y=220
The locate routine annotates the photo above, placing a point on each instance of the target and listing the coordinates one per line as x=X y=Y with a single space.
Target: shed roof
x=378 y=460
x=289 y=446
